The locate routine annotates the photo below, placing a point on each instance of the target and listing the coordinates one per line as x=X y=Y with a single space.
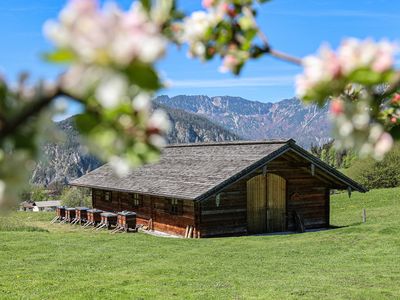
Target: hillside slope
x=65 y=161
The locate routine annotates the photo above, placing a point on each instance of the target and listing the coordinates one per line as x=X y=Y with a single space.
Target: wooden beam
x=222 y=211
x=264 y=171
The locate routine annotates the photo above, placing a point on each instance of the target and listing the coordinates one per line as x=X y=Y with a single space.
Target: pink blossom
x=224 y=7
x=336 y=107
x=317 y=69
x=383 y=145
x=396 y=99
x=229 y=63
x=109 y=35
x=208 y=3
x=352 y=55
x=384 y=59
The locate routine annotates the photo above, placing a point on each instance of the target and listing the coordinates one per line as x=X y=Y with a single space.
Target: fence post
x=364 y=215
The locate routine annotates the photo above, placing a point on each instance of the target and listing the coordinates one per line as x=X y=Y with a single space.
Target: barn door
x=276 y=203
x=256 y=204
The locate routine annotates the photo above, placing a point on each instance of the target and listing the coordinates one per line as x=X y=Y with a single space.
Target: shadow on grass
x=344 y=226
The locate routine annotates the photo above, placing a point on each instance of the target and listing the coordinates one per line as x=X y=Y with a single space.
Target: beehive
x=60 y=212
x=127 y=220
x=94 y=216
x=70 y=214
x=109 y=219
x=81 y=214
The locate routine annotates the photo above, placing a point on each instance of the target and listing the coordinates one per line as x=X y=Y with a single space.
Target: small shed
x=229 y=188
x=46 y=205
x=26 y=206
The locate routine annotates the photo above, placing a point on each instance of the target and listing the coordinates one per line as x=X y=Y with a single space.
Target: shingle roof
x=190 y=171
x=51 y=203
x=184 y=171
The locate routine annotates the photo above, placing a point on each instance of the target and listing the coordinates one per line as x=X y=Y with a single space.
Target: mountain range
x=63 y=161
x=253 y=120
x=196 y=119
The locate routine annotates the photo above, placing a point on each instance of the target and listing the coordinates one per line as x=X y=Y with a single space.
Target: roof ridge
x=232 y=143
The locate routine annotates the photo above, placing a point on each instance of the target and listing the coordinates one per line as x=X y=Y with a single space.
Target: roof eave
x=91 y=186
x=245 y=171
x=291 y=145
x=332 y=171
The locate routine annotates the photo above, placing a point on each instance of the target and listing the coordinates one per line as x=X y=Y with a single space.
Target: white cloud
x=239 y=82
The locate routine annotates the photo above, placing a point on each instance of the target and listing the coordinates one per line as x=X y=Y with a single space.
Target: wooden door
x=256 y=204
x=276 y=203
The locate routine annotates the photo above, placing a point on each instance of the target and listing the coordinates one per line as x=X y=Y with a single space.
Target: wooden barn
x=219 y=189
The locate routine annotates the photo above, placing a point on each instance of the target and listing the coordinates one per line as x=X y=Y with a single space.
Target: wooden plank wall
x=152 y=207
x=306 y=194
x=311 y=202
x=230 y=217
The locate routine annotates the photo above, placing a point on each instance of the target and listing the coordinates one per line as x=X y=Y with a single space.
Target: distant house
x=45 y=205
x=26 y=206
x=229 y=188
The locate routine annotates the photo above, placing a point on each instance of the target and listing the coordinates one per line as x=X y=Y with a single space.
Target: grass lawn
x=356 y=261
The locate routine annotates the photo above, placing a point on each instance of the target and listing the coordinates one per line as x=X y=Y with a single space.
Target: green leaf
x=368 y=77
x=61 y=56
x=85 y=122
x=146 y=4
x=395 y=132
x=144 y=76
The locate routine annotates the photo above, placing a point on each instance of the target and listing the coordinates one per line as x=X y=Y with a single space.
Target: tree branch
x=27 y=112
x=392 y=88
x=285 y=57
x=10 y=126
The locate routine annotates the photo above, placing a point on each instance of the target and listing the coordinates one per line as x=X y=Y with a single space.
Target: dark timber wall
x=158 y=209
x=306 y=194
x=230 y=217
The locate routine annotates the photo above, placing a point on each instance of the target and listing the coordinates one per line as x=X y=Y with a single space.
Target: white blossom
x=107 y=36
x=112 y=90
x=159 y=120
x=229 y=63
x=353 y=54
x=383 y=145
x=141 y=102
x=120 y=166
x=157 y=141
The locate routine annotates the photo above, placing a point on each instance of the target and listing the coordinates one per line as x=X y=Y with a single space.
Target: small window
x=107 y=196
x=218 y=200
x=176 y=207
x=136 y=200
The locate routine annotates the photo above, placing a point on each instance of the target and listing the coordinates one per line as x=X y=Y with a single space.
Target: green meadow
x=355 y=260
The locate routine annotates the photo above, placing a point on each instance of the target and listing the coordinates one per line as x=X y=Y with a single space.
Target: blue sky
x=293 y=26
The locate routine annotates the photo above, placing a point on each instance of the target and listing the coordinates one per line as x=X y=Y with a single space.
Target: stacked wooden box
x=126 y=220
x=94 y=216
x=70 y=214
x=109 y=219
x=60 y=212
x=81 y=214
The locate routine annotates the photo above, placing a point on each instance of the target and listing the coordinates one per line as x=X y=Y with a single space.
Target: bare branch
x=392 y=88
x=10 y=126
x=285 y=57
